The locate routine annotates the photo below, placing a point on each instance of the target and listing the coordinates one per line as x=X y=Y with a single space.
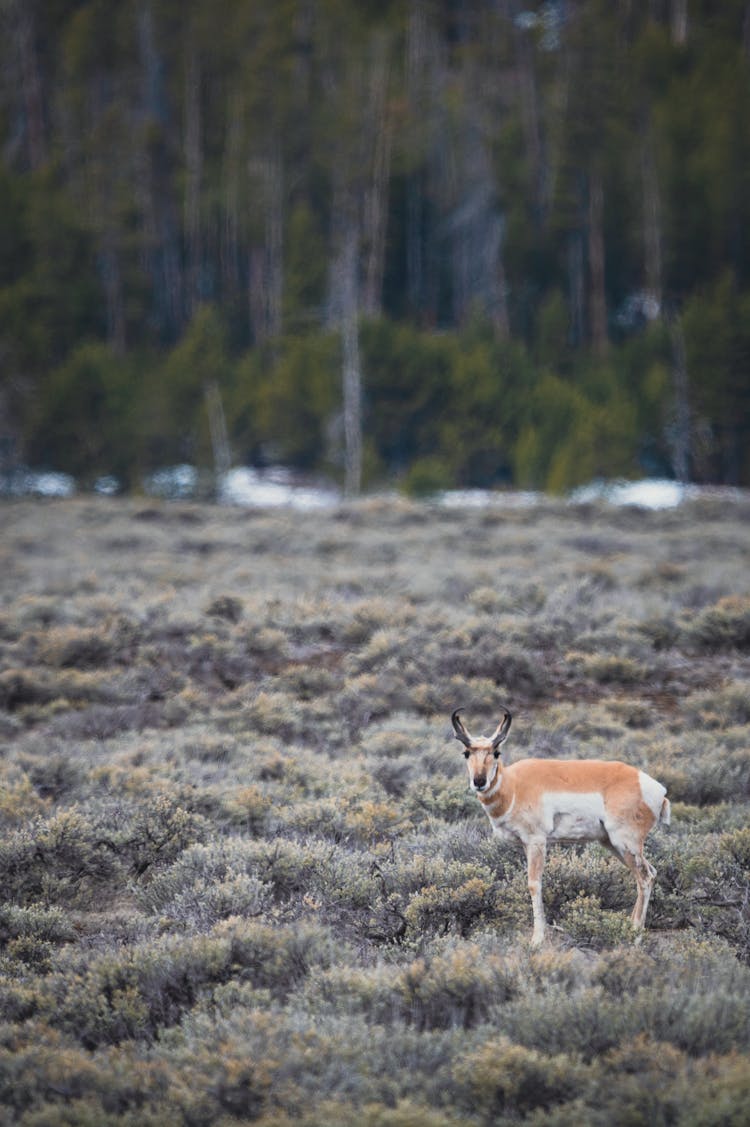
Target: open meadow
x=241 y=877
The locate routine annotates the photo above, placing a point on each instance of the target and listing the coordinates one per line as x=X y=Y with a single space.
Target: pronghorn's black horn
x=501 y=732
x=458 y=728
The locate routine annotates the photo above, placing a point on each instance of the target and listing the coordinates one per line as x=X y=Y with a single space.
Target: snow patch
x=23 y=482
x=651 y=493
x=246 y=486
x=172 y=482
x=483 y=498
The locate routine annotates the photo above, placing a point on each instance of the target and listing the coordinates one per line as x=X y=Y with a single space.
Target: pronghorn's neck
x=498 y=800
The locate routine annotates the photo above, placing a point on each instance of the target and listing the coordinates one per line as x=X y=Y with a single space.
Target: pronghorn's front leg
x=536 y=852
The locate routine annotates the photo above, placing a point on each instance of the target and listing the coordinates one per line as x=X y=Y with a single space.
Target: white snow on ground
x=481 y=498
x=280 y=487
x=651 y=493
x=172 y=482
x=23 y=482
x=246 y=486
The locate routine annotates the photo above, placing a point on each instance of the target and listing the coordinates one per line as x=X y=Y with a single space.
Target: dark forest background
x=456 y=243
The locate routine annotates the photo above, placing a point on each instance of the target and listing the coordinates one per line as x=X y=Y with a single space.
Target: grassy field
x=241 y=875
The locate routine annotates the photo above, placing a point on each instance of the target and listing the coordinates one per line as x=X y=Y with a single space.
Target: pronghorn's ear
x=458 y=728
x=500 y=734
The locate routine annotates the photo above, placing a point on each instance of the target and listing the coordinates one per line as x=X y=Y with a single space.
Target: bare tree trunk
x=100 y=189
x=495 y=271
x=678 y=429
x=415 y=59
x=151 y=113
x=267 y=261
x=275 y=243
x=376 y=195
x=576 y=287
x=31 y=83
x=341 y=224
x=343 y=315
x=256 y=292
x=9 y=435
x=193 y=175
x=217 y=425
x=161 y=258
x=230 y=232
x=679 y=22
x=652 y=233
x=476 y=223
x=112 y=281
x=414 y=245
x=351 y=372
x=529 y=102
x=153 y=78
x=598 y=297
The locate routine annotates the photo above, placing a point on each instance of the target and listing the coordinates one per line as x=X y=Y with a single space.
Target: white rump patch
x=652 y=793
x=572 y=816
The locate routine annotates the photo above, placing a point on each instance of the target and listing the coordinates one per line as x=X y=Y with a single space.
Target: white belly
x=574 y=817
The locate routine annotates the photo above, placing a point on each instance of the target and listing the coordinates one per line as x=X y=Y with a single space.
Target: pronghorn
x=539 y=800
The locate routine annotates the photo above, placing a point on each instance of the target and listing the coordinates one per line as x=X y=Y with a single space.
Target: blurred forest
x=480 y=242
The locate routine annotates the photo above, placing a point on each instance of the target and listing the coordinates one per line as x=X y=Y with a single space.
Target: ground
x=242 y=878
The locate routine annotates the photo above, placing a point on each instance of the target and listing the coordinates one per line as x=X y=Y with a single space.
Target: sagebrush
x=241 y=876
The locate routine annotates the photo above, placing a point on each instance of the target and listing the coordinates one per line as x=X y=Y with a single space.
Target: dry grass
x=241 y=876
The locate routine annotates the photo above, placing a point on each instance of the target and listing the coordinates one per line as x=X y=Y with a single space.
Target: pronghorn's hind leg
x=644 y=874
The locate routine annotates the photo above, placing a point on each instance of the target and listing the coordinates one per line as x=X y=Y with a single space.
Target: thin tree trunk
x=652 y=232
x=414 y=245
x=151 y=113
x=351 y=372
x=597 y=297
x=256 y=290
x=678 y=433
x=275 y=243
x=217 y=425
x=161 y=256
x=112 y=281
x=576 y=287
x=495 y=269
x=230 y=232
x=267 y=261
x=679 y=22
x=31 y=83
x=153 y=101
x=376 y=196
x=529 y=102
x=416 y=66
x=193 y=175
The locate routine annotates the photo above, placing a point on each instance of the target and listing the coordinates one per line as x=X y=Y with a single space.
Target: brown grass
x=241 y=877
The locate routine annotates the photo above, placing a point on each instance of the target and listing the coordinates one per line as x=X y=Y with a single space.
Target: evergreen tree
x=560 y=192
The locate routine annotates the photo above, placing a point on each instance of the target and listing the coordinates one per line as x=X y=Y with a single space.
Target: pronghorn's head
x=482 y=753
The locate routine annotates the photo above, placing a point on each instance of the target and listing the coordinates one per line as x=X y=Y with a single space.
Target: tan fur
x=535 y=801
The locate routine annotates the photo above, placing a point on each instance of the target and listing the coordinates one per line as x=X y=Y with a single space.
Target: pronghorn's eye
x=467 y=754
x=496 y=753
